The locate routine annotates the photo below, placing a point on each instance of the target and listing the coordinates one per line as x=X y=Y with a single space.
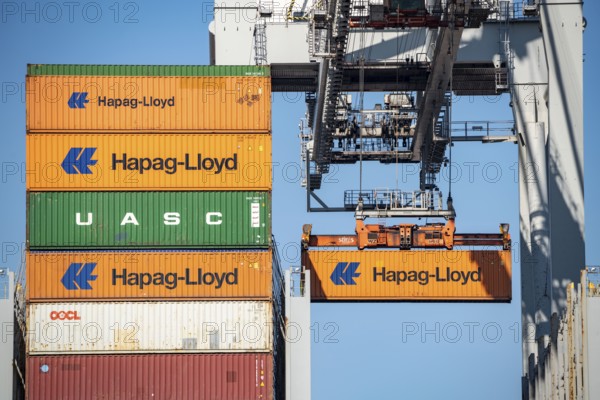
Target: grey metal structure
x=532 y=49
x=547 y=97
x=7 y=315
x=297 y=334
x=566 y=365
x=591 y=343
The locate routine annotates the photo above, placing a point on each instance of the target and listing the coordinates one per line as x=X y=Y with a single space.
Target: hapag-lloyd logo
x=78 y=276
x=170 y=280
x=170 y=165
x=79 y=100
x=345 y=273
x=79 y=160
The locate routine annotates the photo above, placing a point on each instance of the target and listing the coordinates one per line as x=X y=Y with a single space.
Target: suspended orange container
x=133 y=275
x=393 y=275
x=193 y=104
x=108 y=162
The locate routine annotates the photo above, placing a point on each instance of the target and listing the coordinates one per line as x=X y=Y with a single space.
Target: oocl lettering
x=64 y=316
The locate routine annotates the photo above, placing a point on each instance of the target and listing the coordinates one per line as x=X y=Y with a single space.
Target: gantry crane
x=303 y=44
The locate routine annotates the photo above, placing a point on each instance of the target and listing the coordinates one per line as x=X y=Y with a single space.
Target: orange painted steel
x=406 y=237
x=80 y=276
x=421 y=275
x=150 y=162
x=148 y=104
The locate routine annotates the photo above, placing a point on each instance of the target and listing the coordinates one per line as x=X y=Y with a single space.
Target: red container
x=151 y=376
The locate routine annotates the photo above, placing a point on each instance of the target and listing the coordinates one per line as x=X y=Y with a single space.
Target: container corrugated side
x=149 y=327
x=76 y=162
x=147 y=70
x=152 y=376
x=390 y=275
x=126 y=220
x=58 y=276
x=134 y=104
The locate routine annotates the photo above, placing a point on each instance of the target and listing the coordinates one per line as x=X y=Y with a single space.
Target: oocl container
x=149 y=327
x=148 y=162
x=56 y=276
x=193 y=104
x=125 y=220
x=151 y=376
x=390 y=275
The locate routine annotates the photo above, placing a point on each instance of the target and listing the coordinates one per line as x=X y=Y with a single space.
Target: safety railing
x=389 y=199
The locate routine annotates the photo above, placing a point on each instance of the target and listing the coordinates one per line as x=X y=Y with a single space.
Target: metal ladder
x=334 y=83
x=502 y=74
x=260 y=42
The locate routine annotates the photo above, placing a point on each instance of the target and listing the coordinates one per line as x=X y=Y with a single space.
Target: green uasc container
x=113 y=220
x=147 y=70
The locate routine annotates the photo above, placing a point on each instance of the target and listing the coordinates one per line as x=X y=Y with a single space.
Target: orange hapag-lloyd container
x=192 y=104
x=91 y=162
x=80 y=276
x=394 y=275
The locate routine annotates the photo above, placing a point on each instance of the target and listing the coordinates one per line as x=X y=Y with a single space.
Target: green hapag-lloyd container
x=113 y=220
x=147 y=70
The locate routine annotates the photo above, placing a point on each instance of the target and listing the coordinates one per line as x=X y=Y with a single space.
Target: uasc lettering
x=169 y=218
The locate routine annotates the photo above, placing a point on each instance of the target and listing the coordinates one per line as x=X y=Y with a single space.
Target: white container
x=150 y=327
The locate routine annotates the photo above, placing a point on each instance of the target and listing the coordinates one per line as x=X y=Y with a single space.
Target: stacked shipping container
x=149 y=264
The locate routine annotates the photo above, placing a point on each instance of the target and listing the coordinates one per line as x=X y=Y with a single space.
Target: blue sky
x=359 y=350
